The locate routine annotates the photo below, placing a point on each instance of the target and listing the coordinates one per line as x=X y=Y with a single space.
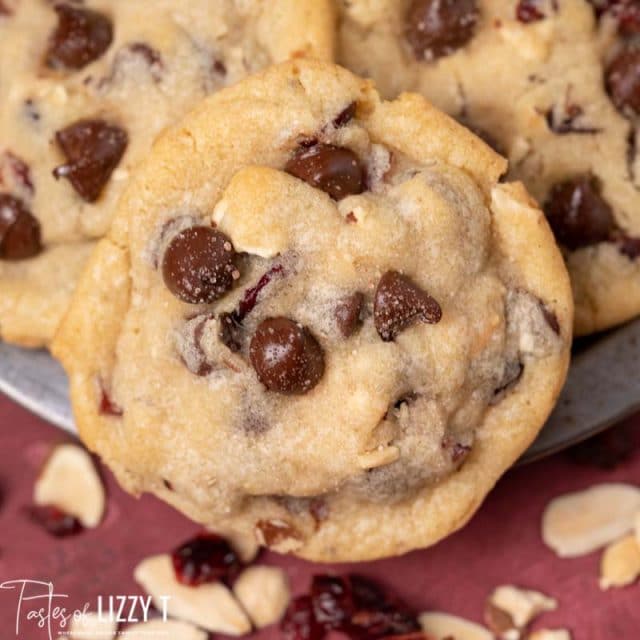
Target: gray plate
x=603 y=387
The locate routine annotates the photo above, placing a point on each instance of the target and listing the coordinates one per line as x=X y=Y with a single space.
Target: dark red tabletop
x=501 y=545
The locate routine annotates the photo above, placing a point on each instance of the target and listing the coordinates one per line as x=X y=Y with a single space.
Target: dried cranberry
x=529 y=11
x=250 y=297
x=345 y=116
x=205 y=558
x=108 y=407
x=81 y=37
x=55 y=521
x=16 y=172
x=299 y=622
x=332 y=599
x=628 y=246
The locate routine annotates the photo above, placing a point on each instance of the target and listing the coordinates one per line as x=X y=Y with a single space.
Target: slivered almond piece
x=522 y=605
x=69 y=480
x=246 y=546
x=263 y=593
x=620 y=564
x=444 y=625
x=159 y=629
x=579 y=523
x=91 y=627
x=550 y=634
x=210 y=606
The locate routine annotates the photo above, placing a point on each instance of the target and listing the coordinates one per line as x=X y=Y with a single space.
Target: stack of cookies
x=297 y=304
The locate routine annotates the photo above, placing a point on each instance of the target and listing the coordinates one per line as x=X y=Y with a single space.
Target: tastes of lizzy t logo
x=39 y=606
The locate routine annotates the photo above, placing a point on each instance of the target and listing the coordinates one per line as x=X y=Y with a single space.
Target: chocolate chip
x=142 y=51
x=81 y=37
x=345 y=116
x=197 y=361
x=349 y=314
x=578 y=214
x=219 y=67
x=488 y=138
x=566 y=123
x=622 y=79
x=19 y=230
x=510 y=377
x=200 y=265
x=286 y=356
x=529 y=11
x=231 y=332
x=399 y=302
x=93 y=149
x=335 y=170
x=436 y=28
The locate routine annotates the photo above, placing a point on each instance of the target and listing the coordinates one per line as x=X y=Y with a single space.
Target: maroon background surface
x=501 y=545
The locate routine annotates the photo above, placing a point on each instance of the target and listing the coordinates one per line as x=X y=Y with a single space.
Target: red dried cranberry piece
x=55 y=521
x=18 y=173
x=93 y=149
x=205 y=558
x=345 y=116
x=81 y=37
x=19 y=230
x=529 y=11
x=108 y=407
x=299 y=622
x=332 y=599
x=250 y=297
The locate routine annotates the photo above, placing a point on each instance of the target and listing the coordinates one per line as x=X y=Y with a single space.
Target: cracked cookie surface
x=553 y=86
x=339 y=320
x=84 y=91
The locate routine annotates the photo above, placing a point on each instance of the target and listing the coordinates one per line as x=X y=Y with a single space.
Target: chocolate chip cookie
x=554 y=86
x=84 y=90
x=318 y=313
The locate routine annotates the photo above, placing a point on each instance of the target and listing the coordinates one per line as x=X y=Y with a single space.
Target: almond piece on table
x=521 y=606
x=620 y=564
x=70 y=481
x=550 y=634
x=264 y=594
x=579 y=523
x=210 y=606
x=91 y=627
x=169 y=629
x=443 y=626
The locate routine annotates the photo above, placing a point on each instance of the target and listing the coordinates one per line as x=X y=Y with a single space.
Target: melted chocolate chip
x=511 y=376
x=335 y=170
x=19 y=230
x=578 y=214
x=349 y=314
x=529 y=11
x=399 y=302
x=231 y=332
x=81 y=37
x=286 y=356
x=567 y=123
x=622 y=79
x=436 y=28
x=345 y=116
x=200 y=265
x=488 y=138
x=93 y=149
x=198 y=364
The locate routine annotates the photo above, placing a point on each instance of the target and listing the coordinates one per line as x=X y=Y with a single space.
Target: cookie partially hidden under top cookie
x=319 y=320
x=553 y=86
